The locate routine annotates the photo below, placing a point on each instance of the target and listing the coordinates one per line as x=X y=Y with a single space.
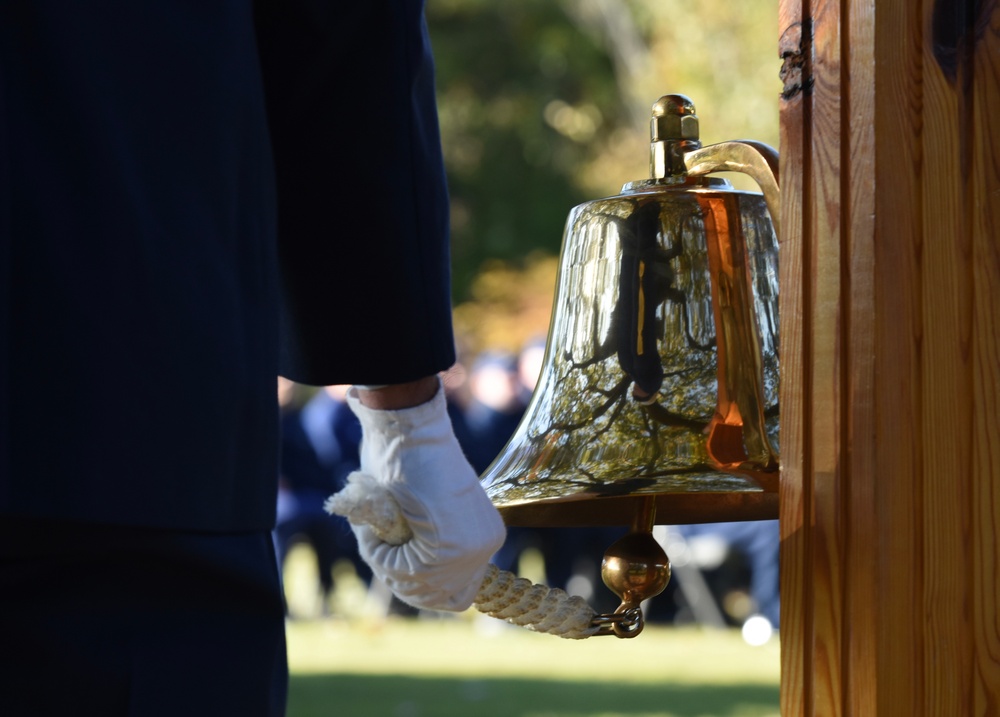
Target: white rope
x=502 y=594
x=519 y=601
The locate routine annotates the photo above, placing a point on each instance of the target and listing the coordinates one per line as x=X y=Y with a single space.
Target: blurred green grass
x=474 y=665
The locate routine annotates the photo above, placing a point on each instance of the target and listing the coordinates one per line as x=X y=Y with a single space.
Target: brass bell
x=657 y=402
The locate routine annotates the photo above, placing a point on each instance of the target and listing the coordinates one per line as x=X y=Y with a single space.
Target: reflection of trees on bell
x=643 y=283
x=621 y=295
x=634 y=308
x=762 y=250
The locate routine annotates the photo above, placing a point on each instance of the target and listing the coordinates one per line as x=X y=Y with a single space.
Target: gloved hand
x=414 y=454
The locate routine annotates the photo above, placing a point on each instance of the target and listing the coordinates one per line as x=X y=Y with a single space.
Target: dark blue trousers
x=100 y=620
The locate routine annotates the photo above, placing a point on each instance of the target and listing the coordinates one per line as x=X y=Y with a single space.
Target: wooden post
x=890 y=325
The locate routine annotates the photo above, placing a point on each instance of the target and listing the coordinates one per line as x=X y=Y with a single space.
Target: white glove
x=414 y=454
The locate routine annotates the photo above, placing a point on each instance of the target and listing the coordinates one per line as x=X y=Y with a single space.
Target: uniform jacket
x=181 y=184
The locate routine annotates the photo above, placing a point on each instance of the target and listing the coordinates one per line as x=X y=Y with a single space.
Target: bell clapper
x=635 y=568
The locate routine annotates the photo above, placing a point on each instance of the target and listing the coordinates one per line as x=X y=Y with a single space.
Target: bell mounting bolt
x=673 y=131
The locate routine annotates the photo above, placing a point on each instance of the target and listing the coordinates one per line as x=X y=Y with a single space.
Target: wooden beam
x=890 y=325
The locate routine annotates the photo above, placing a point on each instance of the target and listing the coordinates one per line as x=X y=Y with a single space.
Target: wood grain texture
x=897 y=470
x=945 y=384
x=827 y=309
x=985 y=229
x=891 y=386
x=795 y=587
x=860 y=516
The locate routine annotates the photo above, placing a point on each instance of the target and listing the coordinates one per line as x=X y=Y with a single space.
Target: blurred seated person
x=334 y=432
x=529 y=367
x=319 y=447
x=757 y=542
x=495 y=406
x=493 y=409
x=455 y=382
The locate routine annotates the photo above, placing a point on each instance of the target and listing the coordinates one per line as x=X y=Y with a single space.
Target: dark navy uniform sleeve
x=363 y=205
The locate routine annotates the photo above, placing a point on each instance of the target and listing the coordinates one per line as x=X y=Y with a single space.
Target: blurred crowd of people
x=487 y=398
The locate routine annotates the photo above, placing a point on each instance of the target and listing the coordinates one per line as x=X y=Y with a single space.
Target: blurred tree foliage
x=545 y=105
x=509 y=305
x=502 y=69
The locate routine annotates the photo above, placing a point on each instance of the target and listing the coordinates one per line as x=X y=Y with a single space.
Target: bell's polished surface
x=661 y=369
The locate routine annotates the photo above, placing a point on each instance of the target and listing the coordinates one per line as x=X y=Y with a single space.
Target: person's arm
x=399 y=395
x=363 y=244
